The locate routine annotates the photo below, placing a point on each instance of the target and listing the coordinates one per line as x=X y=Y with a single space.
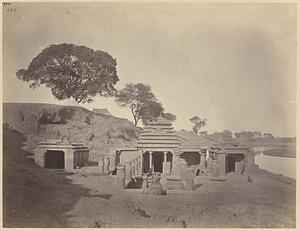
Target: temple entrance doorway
x=54 y=159
x=231 y=163
x=192 y=158
x=158 y=158
x=234 y=163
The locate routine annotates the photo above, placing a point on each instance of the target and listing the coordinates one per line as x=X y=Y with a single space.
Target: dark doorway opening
x=158 y=159
x=231 y=163
x=192 y=158
x=146 y=162
x=55 y=159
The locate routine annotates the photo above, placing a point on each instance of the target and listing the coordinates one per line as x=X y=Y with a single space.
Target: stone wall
x=221 y=163
x=69 y=159
x=39 y=157
x=249 y=161
x=129 y=155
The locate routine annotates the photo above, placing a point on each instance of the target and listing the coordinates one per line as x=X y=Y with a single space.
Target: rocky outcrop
x=47 y=121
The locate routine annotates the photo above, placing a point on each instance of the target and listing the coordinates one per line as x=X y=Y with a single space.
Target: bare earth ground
x=36 y=197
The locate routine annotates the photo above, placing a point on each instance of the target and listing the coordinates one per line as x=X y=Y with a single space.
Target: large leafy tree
x=198 y=123
x=150 y=111
x=72 y=71
x=142 y=102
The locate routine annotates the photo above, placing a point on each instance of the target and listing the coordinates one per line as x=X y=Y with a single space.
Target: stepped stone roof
x=159 y=135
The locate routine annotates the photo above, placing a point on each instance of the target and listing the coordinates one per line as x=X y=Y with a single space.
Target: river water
x=276 y=164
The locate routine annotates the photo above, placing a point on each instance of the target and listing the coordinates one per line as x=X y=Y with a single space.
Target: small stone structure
x=234 y=159
x=61 y=154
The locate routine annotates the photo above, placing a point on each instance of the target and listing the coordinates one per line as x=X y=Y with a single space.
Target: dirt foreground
x=36 y=197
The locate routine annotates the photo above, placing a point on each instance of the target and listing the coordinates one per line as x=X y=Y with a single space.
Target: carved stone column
x=150 y=162
x=166 y=165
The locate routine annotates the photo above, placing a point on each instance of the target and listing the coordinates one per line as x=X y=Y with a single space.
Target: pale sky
x=233 y=64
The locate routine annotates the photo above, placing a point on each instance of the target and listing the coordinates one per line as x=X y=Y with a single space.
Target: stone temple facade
x=61 y=154
x=161 y=149
x=159 y=145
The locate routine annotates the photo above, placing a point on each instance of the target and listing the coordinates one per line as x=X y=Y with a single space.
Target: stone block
x=106 y=164
x=101 y=165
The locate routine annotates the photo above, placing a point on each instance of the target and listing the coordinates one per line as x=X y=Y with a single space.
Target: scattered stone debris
x=141 y=212
x=100 y=224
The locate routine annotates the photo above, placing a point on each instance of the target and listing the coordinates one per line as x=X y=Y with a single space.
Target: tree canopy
x=72 y=71
x=142 y=102
x=198 y=123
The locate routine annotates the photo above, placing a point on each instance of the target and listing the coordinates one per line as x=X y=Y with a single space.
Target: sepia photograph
x=149 y=114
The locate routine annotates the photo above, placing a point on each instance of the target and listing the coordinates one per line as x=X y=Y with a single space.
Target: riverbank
x=277 y=164
x=289 y=151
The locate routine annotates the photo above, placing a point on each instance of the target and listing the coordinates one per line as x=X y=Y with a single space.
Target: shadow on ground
x=32 y=196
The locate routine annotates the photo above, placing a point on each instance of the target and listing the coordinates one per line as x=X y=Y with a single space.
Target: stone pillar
x=69 y=159
x=141 y=161
x=249 y=161
x=209 y=164
x=39 y=157
x=128 y=173
x=121 y=176
x=202 y=161
x=112 y=162
x=136 y=167
x=214 y=168
x=106 y=164
x=133 y=168
x=207 y=154
x=165 y=156
x=164 y=170
x=150 y=162
x=221 y=163
x=140 y=165
x=101 y=164
x=237 y=166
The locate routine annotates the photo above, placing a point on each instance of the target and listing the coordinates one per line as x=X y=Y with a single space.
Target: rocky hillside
x=48 y=121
